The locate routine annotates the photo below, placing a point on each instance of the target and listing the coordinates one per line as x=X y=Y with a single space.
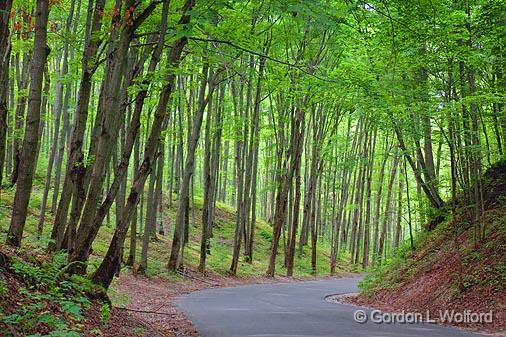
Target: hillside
x=221 y=242
x=38 y=299
x=36 y=296
x=448 y=270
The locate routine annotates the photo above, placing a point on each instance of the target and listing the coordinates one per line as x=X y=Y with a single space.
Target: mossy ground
x=221 y=244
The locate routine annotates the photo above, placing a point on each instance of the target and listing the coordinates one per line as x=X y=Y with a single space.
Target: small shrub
x=266 y=235
x=500 y=280
x=105 y=313
x=48 y=283
x=3 y=287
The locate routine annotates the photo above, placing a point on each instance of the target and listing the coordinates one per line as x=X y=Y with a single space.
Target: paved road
x=291 y=310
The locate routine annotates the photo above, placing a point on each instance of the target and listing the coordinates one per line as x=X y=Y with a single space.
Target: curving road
x=291 y=310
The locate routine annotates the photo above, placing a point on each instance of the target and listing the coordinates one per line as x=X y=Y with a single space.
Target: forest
x=348 y=128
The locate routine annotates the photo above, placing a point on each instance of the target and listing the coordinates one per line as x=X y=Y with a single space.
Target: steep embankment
x=449 y=270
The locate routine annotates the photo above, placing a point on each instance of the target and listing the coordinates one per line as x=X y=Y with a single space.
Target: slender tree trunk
x=296 y=211
x=206 y=208
x=175 y=259
x=224 y=182
x=368 y=196
x=150 y=228
x=90 y=225
x=388 y=204
x=109 y=265
x=284 y=186
x=432 y=194
x=253 y=158
x=398 y=228
x=75 y=154
x=5 y=56
x=111 y=115
x=133 y=221
x=239 y=179
x=22 y=81
x=61 y=106
x=28 y=160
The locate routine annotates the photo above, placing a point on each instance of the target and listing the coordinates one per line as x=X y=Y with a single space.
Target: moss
x=221 y=244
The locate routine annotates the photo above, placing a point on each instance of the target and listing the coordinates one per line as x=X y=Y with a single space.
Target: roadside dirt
x=455 y=271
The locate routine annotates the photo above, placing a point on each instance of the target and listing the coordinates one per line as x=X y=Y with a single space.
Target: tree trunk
x=206 y=207
x=110 y=263
x=61 y=106
x=253 y=160
x=239 y=178
x=133 y=222
x=388 y=212
x=150 y=228
x=75 y=153
x=367 y=220
x=5 y=56
x=284 y=185
x=175 y=259
x=22 y=80
x=28 y=160
x=111 y=115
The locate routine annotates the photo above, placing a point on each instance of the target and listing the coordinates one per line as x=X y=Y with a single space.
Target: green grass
x=399 y=267
x=221 y=244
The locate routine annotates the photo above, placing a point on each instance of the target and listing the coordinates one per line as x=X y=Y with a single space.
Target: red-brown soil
x=452 y=271
x=12 y=298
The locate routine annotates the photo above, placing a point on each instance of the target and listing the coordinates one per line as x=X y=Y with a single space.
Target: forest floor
x=153 y=292
x=450 y=270
x=35 y=301
x=159 y=248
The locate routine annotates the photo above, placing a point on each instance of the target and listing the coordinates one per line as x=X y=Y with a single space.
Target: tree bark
x=175 y=259
x=284 y=185
x=75 y=153
x=388 y=211
x=111 y=261
x=28 y=160
x=5 y=56
x=59 y=106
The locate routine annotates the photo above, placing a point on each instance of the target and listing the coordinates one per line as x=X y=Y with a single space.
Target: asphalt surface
x=292 y=310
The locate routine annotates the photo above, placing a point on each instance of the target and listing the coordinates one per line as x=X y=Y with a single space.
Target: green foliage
x=58 y=333
x=469 y=281
x=501 y=273
x=47 y=291
x=72 y=308
x=266 y=235
x=394 y=270
x=3 y=287
x=52 y=321
x=30 y=273
x=105 y=313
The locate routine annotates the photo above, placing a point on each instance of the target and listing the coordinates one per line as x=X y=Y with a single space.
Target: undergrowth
x=477 y=261
x=39 y=299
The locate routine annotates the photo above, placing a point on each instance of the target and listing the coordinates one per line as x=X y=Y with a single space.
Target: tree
x=27 y=163
x=5 y=49
x=111 y=261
